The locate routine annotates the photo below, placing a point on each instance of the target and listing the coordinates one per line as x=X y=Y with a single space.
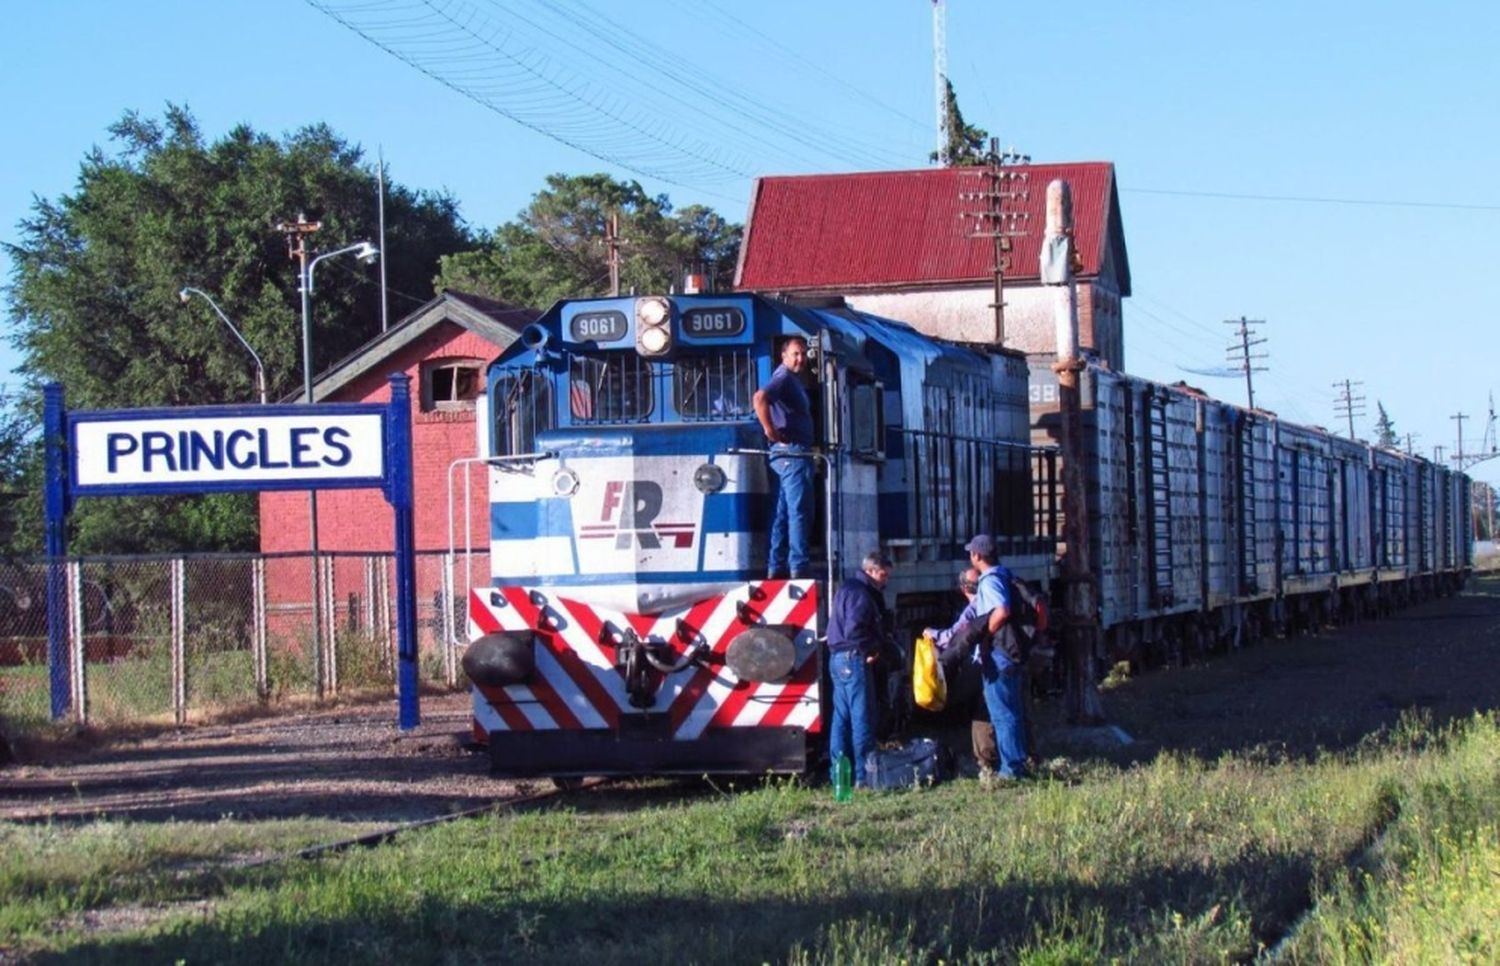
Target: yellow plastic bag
x=929 y=687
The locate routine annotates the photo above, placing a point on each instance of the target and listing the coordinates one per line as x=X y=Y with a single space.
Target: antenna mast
x=940 y=77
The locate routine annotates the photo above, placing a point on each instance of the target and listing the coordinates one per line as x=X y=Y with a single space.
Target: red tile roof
x=883 y=229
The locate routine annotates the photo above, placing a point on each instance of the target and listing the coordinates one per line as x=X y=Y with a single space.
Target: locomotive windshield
x=717 y=386
x=611 y=387
x=523 y=408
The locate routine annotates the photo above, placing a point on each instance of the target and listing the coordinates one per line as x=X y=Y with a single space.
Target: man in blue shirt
x=962 y=670
x=785 y=416
x=857 y=627
x=1003 y=693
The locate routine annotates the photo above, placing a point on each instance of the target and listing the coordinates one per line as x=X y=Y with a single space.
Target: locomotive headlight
x=653 y=341
x=708 y=478
x=652 y=311
x=653 y=330
x=564 y=482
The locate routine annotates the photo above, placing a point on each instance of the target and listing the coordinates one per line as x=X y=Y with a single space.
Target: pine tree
x=966 y=143
x=1385 y=429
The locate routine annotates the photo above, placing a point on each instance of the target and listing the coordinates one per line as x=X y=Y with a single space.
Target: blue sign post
x=205 y=449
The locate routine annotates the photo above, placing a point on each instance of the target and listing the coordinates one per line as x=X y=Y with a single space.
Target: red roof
x=882 y=229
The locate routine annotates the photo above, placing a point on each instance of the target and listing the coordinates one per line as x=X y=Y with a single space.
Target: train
x=1212 y=524
x=628 y=625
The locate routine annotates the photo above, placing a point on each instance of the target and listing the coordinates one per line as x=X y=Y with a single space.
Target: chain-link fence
x=171 y=639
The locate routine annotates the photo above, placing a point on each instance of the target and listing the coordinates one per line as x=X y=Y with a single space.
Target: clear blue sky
x=1359 y=102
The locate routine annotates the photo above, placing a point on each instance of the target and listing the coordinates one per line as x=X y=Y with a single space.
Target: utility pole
x=1410 y=437
x=1080 y=624
x=1003 y=182
x=1458 y=460
x=1245 y=360
x=297 y=233
x=612 y=241
x=1348 y=404
x=940 y=77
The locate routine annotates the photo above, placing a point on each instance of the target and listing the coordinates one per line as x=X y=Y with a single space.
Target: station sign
x=227 y=448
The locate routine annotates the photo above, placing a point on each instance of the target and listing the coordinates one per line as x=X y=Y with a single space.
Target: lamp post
x=260 y=370
x=296 y=234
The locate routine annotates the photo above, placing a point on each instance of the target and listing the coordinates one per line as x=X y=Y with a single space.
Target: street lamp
x=297 y=234
x=260 y=370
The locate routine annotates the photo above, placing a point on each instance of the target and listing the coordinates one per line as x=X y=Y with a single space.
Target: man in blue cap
x=1003 y=688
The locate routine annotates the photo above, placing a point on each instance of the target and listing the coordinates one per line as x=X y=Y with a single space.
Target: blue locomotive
x=629 y=626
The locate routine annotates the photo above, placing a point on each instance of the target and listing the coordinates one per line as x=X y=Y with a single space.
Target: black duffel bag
x=916 y=764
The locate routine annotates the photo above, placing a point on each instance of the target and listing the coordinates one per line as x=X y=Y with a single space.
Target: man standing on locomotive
x=1003 y=678
x=857 y=625
x=785 y=416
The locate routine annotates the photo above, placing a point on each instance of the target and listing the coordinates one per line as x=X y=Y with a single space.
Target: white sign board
x=270 y=451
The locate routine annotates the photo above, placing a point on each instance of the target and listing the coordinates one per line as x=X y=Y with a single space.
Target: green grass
x=1178 y=860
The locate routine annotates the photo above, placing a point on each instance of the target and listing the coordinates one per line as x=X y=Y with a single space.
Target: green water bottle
x=843 y=779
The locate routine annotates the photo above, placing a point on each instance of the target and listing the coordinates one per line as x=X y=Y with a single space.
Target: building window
x=452 y=384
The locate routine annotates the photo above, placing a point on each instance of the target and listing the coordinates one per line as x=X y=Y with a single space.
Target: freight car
x=1211 y=523
x=628 y=626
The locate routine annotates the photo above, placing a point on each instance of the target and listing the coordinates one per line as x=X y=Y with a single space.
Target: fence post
x=258 y=633
x=383 y=578
x=179 y=641
x=77 y=647
x=368 y=606
x=330 y=628
x=450 y=672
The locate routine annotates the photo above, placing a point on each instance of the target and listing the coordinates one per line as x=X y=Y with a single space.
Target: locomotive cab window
x=523 y=408
x=612 y=387
x=867 y=419
x=719 y=386
x=450 y=384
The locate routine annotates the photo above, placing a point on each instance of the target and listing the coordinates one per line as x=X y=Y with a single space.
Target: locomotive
x=629 y=626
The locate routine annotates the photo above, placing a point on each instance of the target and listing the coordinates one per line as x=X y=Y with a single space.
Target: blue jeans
x=1005 y=699
x=791 y=475
x=851 y=733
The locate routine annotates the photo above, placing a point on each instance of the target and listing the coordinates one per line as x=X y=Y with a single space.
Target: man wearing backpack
x=1001 y=666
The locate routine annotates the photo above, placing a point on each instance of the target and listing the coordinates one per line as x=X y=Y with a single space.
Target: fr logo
x=628 y=515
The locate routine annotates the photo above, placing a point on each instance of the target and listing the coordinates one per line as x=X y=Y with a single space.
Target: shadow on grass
x=1130 y=917
x=1297 y=697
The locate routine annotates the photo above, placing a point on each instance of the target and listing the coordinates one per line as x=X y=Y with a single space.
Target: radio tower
x=940 y=77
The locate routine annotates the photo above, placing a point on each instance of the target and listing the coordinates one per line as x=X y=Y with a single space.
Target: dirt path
x=349 y=763
x=1294 y=696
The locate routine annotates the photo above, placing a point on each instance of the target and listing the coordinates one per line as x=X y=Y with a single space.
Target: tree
x=93 y=296
x=1385 y=429
x=967 y=145
x=557 y=247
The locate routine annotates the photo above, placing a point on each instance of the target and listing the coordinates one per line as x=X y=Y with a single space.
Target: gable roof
x=885 y=229
x=497 y=322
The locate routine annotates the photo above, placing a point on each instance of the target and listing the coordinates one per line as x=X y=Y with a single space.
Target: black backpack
x=1020 y=632
x=1028 y=620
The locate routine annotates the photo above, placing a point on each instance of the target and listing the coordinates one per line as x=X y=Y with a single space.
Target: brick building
x=443 y=347
x=897 y=244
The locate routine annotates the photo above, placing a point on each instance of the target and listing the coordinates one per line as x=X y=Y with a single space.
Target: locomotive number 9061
x=713 y=323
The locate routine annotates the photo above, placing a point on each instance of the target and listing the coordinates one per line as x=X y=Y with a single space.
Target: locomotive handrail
x=498 y=462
